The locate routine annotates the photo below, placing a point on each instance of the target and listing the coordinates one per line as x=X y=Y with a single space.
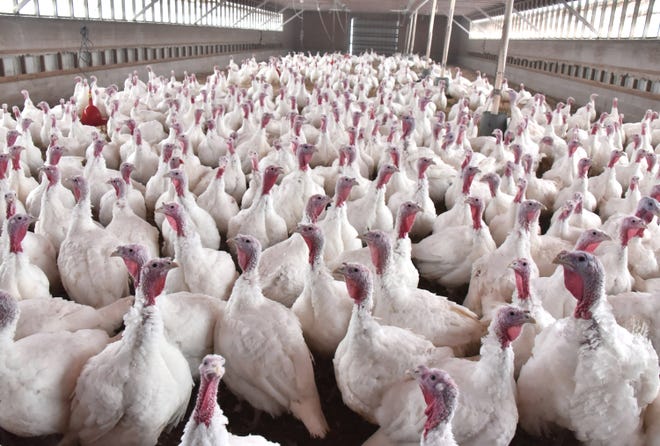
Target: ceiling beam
x=297 y=14
x=465 y=30
x=20 y=6
x=445 y=49
x=210 y=11
x=522 y=16
x=577 y=15
x=249 y=13
x=431 y=22
x=501 y=58
x=151 y=3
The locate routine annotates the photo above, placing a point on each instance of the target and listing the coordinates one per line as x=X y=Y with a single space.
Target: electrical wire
x=85 y=51
x=318 y=8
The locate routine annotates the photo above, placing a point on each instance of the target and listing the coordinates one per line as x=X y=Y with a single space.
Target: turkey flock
x=238 y=228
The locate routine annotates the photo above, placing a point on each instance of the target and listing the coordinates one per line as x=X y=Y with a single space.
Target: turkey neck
x=147 y=327
x=439 y=435
x=361 y=315
x=247 y=289
x=386 y=281
x=9 y=314
x=315 y=258
x=437 y=429
x=522 y=285
x=206 y=404
x=81 y=215
x=496 y=365
x=421 y=194
x=188 y=245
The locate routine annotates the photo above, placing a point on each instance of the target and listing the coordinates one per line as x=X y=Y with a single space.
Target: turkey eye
x=581 y=259
x=512 y=313
x=247 y=241
x=433 y=378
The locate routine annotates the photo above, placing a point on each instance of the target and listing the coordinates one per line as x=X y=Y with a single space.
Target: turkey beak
x=338 y=273
x=562 y=259
x=219 y=368
x=173 y=264
x=32 y=219
x=529 y=319
x=159 y=210
x=115 y=253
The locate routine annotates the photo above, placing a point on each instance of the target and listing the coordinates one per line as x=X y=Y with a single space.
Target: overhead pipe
x=406 y=44
x=414 y=32
x=450 y=21
x=431 y=22
x=501 y=60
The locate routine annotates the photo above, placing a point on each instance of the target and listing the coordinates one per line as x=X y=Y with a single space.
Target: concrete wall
x=315 y=38
x=422 y=35
x=632 y=55
x=52 y=88
x=22 y=34
x=25 y=35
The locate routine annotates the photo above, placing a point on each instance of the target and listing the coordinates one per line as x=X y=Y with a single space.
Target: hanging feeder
x=91 y=115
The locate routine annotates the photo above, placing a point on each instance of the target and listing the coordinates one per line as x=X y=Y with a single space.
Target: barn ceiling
x=463 y=7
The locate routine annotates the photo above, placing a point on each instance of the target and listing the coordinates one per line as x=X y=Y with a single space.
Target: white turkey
x=189 y=318
x=323 y=308
x=201 y=219
x=490 y=286
x=18 y=275
x=261 y=219
x=585 y=361
x=280 y=264
x=207 y=425
x=340 y=235
x=372 y=356
x=441 y=395
x=216 y=201
x=291 y=196
x=434 y=317
x=447 y=256
x=39 y=372
x=370 y=211
x=486 y=412
x=526 y=299
x=285 y=379
x=55 y=210
x=86 y=248
x=203 y=270
x=111 y=406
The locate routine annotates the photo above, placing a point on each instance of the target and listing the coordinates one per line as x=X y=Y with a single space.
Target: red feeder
x=91 y=115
